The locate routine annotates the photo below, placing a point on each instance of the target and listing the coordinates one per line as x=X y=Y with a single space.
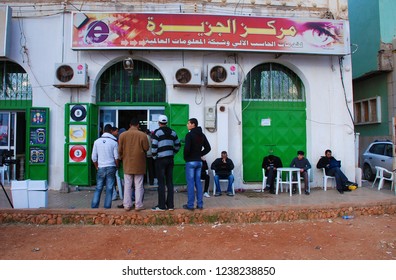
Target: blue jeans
x=105 y=175
x=340 y=177
x=193 y=178
x=230 y=179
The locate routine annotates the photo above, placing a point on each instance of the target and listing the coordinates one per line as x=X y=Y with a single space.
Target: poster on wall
x=78 y=113
x=37 y=136
x=77 y=153
x=78 y=133
x=38 y=117
x=37 y=155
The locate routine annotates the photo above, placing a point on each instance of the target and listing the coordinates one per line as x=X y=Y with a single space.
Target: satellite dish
x=64 y=73
x=218 y=74
x=183 y=76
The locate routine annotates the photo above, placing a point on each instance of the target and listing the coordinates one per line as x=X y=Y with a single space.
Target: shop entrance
x=12 y=142
x=121 y=116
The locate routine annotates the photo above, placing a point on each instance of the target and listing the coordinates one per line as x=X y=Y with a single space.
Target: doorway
x=121 y=116
x=12 y=139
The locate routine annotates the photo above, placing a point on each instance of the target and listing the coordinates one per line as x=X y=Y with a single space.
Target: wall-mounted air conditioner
x=222 y=75
x=71 y=75
x=187 y=76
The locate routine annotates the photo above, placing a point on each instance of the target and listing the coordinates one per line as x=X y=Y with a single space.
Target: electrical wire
x=340 y=61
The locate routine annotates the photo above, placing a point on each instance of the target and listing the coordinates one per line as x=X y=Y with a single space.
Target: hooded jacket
x=196 y=145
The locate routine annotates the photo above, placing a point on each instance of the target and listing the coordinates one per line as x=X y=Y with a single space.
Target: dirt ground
x=370 y=237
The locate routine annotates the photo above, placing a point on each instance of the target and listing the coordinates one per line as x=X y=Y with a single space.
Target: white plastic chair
x=382 y=175
x=264 y=184
x=222 y=180
x=325 y=178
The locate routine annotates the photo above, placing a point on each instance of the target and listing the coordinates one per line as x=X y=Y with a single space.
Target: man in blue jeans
x=223 y=170
x=105 y=160
x=196 y=146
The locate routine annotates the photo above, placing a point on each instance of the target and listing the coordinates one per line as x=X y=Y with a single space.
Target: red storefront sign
x=207 y=32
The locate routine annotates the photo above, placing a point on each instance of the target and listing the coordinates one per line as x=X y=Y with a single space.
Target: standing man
x=105 y=160
x=223 y=167
x=133 y=145
x=196 y=146
x=165 y=144
x=301 y=162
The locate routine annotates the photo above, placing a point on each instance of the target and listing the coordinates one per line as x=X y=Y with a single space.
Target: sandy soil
x=371 y=238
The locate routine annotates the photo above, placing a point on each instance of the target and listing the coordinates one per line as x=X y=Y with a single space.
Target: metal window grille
x=273 y=82
x=14 y=83
x=143 y=84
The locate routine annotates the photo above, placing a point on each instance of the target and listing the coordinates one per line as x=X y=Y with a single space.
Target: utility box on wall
x=210 y=117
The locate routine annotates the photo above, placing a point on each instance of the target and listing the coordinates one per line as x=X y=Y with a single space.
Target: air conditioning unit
x=222 y=75
x=71 y=75
x=188 y=76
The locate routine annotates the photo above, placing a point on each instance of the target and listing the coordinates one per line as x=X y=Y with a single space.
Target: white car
x=378 y=153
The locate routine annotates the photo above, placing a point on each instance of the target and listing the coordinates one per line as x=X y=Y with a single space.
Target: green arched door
x=274 y=117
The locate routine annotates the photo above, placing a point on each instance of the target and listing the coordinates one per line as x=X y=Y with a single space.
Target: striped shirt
x=165 y=143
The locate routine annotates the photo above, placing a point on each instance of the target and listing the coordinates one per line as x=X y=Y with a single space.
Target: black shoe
x=218 y=194
x=340 y=191
x=187 y=208
x=294 y=191
x=120 y=206
x=272 y=191
x=307 y=193
x=199 y=208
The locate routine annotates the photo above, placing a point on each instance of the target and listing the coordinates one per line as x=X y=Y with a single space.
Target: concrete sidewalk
x=81 y=198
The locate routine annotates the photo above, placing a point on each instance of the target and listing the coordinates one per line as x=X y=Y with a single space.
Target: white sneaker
x=206 y=195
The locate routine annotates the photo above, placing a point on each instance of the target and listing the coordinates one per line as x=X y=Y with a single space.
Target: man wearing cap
x=165 y=144
x=133 y=145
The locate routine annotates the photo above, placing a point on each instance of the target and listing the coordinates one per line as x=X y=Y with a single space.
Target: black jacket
x=196 y=145
x=221 y=168
x=271 y=161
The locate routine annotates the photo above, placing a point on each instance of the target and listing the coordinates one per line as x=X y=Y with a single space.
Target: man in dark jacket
x=223 y=167
x=196 y=146
x=270 y=164
x=332 y=168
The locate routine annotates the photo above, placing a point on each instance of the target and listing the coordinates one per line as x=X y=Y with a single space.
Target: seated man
x=205 y=176
x=332 y=168
x=270 y=164
x=301 y=162
x=222 y=167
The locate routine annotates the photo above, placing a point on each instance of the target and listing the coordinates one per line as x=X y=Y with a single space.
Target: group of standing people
x=133 y=148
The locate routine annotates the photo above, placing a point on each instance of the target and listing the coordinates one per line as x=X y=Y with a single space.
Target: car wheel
x=368 y=173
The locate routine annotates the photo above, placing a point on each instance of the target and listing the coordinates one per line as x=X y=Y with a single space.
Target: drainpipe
x=358 y=170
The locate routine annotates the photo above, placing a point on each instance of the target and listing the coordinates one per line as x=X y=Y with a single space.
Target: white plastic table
x=289 y=181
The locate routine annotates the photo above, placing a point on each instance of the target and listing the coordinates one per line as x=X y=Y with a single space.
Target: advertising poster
x=37 y=155
x=78 y=133
x=37 y=136
x=77 y=153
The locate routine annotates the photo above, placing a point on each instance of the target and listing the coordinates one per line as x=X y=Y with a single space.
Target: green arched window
x=273 y=82
x=14 y=83
x=143 y=84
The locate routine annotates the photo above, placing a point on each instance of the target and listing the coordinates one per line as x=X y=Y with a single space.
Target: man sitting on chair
x=301 y=162
x=223 y=167
x=332 y=168
x=270 y=164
